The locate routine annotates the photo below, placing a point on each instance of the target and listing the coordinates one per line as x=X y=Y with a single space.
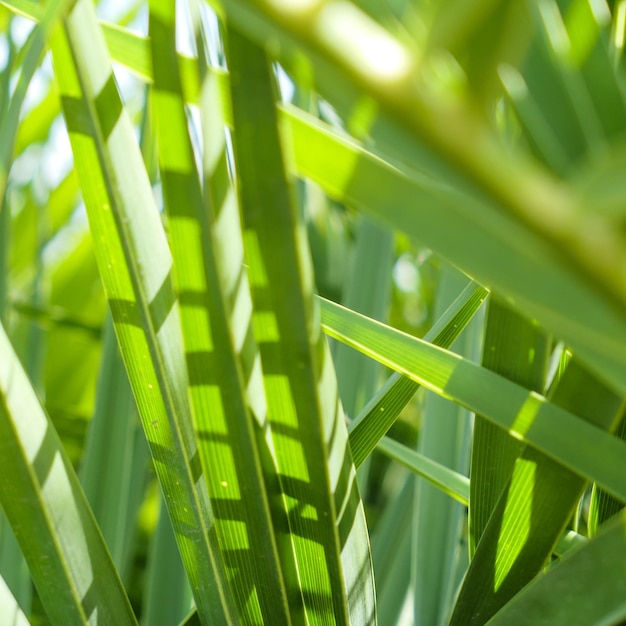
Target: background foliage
x=312 y=312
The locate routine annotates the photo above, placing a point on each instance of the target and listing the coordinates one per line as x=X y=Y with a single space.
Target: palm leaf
x=317 y=477
x=216 y=318
x=48 y=511
x=526 y=415
x=444 y=436
x=10 y=608
x=135 y=265
x=490 y=179
x=385 y=406
x=534 y=509
x=517 y=348
x=576 y=602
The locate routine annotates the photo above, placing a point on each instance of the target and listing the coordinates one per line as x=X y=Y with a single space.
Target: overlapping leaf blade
x=518 y=349
x=541 y=228
x=367 y=429
x=534 y=509
x=48 y=511
x=135 y=265
x=526 y=415
x=445 y=437
x=564 y=596
x=317 y=477
x=217 y=318
x=10 y=608
x=603 y=506
x=548 y=284
x=367 y=290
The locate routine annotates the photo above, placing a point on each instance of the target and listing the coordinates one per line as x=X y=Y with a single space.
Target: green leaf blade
x=316 y=474
x=135 y=264
x=383 y=409
x=532 y=513
x=48 y=511
x=517 y=348
x=524 y=414
x=576 y=602
x=216 y=316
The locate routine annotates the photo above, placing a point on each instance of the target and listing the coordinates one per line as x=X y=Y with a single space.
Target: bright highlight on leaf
x=524 y=472
x=363 y=44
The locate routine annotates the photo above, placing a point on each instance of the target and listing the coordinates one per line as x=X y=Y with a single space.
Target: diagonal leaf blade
x=377 y=417
x=317 y=477
x=537 y=503
x=517 y=348
x=135 y=265
x=41 y=495
x=525 y=414
x=216 y=311
x=576 y=603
